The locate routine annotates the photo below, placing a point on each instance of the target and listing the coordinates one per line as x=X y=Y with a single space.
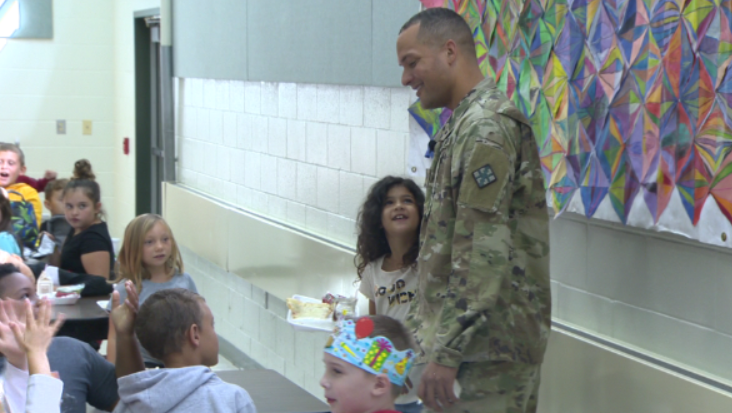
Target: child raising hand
x=44 y=390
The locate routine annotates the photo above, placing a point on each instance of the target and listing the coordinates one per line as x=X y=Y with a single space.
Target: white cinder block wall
x=69 y=77
x=254 y=321
x=302 y=154
x=305 y=154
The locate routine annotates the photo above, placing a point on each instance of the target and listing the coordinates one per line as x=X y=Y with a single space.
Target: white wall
x=68 y=77
x=304 y=155
x=300 y=153
x=124 y=110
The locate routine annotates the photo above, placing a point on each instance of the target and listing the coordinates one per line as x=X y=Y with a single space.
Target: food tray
x=309 y=324
x=67 y=300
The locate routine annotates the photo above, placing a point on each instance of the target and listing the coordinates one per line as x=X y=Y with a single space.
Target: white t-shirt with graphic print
x=392 y=292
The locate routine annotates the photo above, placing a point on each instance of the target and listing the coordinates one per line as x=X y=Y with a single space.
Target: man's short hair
x=164 y=319
x=395 y=331
x=438 y=25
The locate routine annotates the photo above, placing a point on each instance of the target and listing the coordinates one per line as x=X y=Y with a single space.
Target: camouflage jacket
x=484 y=254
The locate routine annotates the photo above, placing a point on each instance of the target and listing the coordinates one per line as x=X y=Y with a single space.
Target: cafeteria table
x=273 y=392
x=85 y=320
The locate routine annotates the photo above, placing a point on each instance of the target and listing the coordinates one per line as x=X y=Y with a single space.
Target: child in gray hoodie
x=177 y=327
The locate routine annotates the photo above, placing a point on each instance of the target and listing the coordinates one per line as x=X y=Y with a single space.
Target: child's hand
x=9 y=346
x=123 y=315
x=50 y=175
x=36 y=335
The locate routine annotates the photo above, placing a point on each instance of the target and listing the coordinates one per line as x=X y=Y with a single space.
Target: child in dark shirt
x=88 y=248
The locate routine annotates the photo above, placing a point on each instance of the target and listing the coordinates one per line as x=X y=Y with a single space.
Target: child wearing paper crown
x=367 y=362
x=388 y=244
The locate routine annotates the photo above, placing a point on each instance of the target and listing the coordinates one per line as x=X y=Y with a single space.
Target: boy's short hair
x=164 y=318
x=11 y=147
x=53 y=186
x=399 y=336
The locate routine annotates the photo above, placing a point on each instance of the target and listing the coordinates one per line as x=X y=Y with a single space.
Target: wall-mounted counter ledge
x=283 y=262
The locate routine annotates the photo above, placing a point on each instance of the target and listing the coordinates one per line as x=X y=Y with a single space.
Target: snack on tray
x=68 y=290
x=309 y=310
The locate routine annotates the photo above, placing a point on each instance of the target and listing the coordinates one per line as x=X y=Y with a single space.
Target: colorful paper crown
x=376 y=355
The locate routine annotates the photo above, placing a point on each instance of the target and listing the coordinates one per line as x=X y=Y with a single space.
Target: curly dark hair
x=372 y=243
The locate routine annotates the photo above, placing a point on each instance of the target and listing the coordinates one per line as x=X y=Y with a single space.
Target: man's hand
x=50 y=175
x=436 y=387
x=9 y=346
x=123 y=314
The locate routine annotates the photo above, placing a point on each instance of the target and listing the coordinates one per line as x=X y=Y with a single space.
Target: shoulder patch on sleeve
x=484 y=176
x=490 y=169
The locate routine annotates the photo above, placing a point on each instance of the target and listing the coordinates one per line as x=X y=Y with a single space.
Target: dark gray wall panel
x=389 y=16
x=313 y=41
x=36 y=18
x=303 y=41
x=209 y=39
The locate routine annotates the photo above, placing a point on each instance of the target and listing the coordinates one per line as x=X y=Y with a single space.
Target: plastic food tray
x=67 y=300
x=310 y=324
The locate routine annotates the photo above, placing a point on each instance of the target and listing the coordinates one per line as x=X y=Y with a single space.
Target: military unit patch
x=484 y=176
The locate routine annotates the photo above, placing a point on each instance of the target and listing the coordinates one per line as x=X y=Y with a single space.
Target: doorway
x=154 y=112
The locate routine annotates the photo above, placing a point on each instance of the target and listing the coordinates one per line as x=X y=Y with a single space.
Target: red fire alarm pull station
x=126 y=146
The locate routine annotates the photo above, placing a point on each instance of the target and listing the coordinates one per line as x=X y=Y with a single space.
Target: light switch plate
x=60 y=127
x=86 y=127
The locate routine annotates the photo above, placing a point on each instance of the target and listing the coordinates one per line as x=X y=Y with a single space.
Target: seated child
x=34 y=337
x=150 y=258
x=8 y=241
x=367 y=362
x=176 y=326
x=57 y=226
x=88 y=248
x=12 y=165
x=87 y=377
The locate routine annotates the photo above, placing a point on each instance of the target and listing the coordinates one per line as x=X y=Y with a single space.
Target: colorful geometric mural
x=627 y=98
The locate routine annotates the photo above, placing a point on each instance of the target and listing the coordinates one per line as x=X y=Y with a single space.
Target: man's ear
x=382 y=386
x=47 y=203
x=451 y=48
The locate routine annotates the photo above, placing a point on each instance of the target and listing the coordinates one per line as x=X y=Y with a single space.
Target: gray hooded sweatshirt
x=187 y=389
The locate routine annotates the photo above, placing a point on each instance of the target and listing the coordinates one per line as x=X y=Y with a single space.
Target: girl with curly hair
x=386 y=259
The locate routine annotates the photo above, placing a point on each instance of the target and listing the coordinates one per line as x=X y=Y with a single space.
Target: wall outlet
x=86 y=127
x=60 y=127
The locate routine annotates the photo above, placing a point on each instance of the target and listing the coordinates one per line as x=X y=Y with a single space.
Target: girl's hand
x=37 y=333
x=50 y=175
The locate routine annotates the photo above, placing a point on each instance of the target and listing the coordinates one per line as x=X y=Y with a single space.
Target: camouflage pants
x=497 y=387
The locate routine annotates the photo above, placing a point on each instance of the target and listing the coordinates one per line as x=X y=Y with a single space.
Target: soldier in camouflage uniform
x=482 y=315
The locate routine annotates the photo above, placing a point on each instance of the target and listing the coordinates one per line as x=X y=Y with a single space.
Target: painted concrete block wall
x=255 y=322
x=305 y=154
x=302 y=154
x=124 y=111
x=68 y=77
